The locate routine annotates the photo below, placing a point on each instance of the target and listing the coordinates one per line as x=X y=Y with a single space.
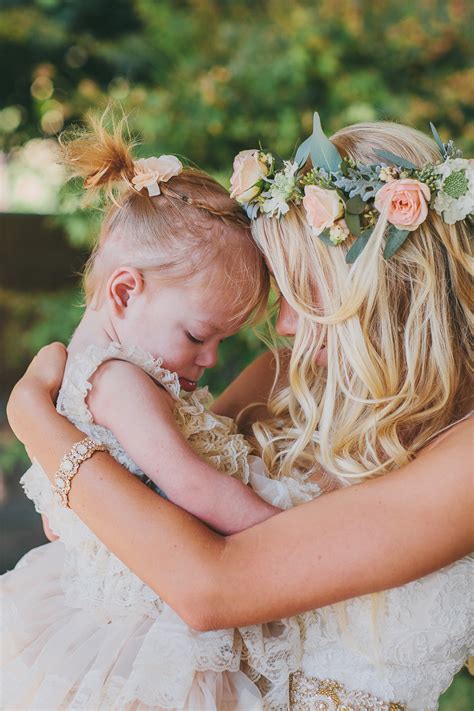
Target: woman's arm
x=354 y=541
x=140 y=414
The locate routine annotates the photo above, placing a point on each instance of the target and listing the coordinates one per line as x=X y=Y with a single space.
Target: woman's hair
x=397 y=333
x=176 y=234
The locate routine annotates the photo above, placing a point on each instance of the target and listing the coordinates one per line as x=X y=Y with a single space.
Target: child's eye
x=192 y=338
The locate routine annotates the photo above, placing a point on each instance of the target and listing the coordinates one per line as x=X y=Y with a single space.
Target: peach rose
x=323 y=207
x=248 y=170
x=149 y=172
x=407 y=201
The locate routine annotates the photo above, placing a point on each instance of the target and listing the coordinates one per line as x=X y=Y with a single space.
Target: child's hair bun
x=100 y=153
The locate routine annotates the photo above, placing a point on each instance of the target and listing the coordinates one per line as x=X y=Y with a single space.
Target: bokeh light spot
x=42 y=88
x=76 y=56
x=52 y=121
x=10 y=119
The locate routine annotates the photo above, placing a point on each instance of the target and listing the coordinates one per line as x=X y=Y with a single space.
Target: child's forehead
x=220 y=312
x=224 y=293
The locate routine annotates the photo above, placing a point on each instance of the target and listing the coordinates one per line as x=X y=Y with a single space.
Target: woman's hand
x=42 y=379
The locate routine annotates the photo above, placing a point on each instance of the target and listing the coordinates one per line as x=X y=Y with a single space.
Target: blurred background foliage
x=202 y=78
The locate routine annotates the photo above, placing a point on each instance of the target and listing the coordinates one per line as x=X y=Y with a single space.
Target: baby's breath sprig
x=369 y=218
x=316 y=177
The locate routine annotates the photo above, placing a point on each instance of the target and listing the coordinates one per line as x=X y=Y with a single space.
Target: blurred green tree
x=207 y=77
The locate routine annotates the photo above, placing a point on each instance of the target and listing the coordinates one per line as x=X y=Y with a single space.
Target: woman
x=390 y=335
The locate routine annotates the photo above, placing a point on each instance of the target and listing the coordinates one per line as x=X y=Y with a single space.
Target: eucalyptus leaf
x=353 y=223
x=303 y=152
x=401 y=162
x=323 y=153
x=358 y=246
x=394 y=241
x=438 y=140
x=355 y=205
x=324 y=236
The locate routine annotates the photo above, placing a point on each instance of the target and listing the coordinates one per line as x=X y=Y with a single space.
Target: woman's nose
x=207 y=357
x=287 y=320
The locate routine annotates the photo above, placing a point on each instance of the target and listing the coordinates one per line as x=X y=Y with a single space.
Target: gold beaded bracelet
x=69 y=467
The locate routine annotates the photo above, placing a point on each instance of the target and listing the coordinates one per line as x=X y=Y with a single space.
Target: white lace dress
x=389 y=651
x=81 y=631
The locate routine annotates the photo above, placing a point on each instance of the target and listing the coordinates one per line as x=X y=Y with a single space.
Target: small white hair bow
x=150 y=172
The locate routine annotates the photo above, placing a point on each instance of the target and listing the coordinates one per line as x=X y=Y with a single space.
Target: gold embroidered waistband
x=310 y=694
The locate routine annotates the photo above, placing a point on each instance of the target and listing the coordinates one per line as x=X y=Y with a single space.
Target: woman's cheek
x=322 y=357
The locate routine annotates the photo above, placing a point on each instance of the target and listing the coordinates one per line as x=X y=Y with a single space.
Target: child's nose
x=287 y=320
x=207 y=357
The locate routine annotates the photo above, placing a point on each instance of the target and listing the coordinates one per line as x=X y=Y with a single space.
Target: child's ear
x=124 y=285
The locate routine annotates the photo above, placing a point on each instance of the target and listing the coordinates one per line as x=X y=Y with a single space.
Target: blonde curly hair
x=397 y=334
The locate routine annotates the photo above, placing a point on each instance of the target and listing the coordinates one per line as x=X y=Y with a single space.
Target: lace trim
x=311 y=694
x=76 y=384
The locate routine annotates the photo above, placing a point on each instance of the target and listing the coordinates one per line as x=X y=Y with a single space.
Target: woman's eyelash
x=192 y=338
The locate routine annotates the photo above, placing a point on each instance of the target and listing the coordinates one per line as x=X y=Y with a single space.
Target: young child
x=174 y=272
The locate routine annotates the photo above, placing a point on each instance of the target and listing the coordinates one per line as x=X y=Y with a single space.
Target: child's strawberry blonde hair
x=175 y=234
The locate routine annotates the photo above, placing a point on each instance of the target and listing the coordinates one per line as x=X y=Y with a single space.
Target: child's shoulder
x=115 y=361
x=117 y=380
x=105 y=376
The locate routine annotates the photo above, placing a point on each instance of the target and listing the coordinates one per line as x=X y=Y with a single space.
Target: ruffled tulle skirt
x=56 y=656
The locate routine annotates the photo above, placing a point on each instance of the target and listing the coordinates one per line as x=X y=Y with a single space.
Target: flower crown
x=343 y=198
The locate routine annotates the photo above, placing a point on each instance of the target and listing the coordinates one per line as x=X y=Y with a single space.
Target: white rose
x=248 y=170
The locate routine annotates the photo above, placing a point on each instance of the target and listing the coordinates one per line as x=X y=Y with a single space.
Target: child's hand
x=47 y=531
x=42 y=379
x=46 y=370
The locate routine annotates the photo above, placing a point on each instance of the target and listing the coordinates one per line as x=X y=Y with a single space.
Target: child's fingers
x=47 y=368
x=47 y=531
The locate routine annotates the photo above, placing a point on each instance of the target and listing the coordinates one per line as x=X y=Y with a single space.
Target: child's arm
x=139 y=413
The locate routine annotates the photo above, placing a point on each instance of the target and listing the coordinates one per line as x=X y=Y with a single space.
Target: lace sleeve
x=285 y=492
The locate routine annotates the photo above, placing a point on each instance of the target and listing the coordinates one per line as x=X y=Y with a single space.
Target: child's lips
x=188 y=385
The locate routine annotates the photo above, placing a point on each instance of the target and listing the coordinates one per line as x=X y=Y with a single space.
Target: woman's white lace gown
x=81 y=631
